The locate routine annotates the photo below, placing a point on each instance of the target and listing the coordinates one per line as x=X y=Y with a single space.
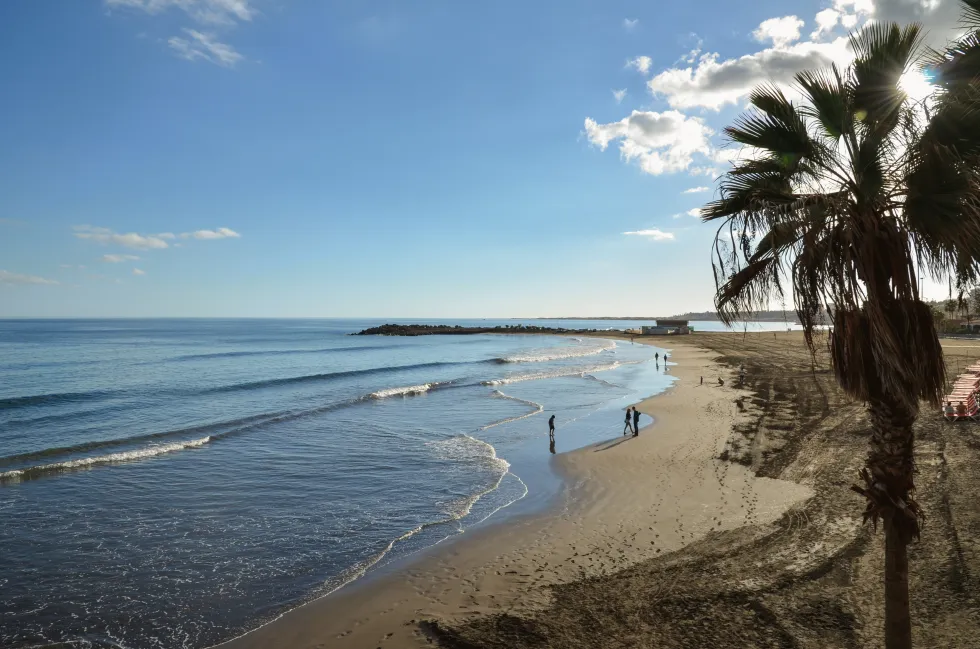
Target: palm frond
x=830 y=101
x=748 y=290
x=958 y=64
x=748 y=192
x=775 y=127
x=883 y=53
x=971 y=13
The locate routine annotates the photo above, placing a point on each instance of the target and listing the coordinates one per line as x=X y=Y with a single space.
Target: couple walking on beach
x=634 y=414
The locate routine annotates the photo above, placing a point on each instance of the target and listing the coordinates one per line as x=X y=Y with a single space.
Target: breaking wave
x=537 y=409
x=558 y=354
x=578 y=371
x=403 y=392
x=112 y=458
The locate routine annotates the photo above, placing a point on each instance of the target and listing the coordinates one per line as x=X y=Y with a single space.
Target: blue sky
x=386 y=158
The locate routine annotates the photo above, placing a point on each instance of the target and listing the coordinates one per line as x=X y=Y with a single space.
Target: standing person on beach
x=636 y=422
x=551 y=428
x=628 y=418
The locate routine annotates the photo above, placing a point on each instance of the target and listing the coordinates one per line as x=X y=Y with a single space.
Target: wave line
x=538 y=409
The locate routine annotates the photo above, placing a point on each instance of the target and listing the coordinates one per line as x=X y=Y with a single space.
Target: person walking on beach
x=551 y=428
x=636 y=422
x=629 y=416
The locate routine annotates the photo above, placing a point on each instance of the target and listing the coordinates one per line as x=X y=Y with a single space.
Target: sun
x=916 y=84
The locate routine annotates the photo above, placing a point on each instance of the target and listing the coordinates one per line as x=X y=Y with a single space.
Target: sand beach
x=728 y=514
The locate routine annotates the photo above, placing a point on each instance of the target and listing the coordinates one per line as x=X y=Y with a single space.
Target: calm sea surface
x=174 y=483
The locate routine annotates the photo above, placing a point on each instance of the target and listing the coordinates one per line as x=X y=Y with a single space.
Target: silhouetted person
x=629 y=416
x=636 y=422
x=702 y=380
x=551 y=428
x=657 y=357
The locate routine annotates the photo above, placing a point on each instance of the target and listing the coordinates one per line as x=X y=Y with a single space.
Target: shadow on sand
x=605 y=446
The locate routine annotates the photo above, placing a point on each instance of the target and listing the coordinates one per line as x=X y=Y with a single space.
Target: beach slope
x=628 y=500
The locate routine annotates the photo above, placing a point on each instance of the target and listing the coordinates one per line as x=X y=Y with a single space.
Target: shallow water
x=174 y=483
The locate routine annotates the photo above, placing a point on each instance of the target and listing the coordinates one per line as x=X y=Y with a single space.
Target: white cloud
x=167 y=235
x=221 y=12
x=660 y=142
x=127 y=240
x=16 y=279
x=826 y=20
x=619 y=94
x=713 y=83
x=220 y=233
x=781 y=31
x=630 y=23
x=641 y=64
x=696 y=190
x=116 y=259
x=653 y=234
x=867 y=7
x=137 y=271
x=696 y=212
x=204 y=46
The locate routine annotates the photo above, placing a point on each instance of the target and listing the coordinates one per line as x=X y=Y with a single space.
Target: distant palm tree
x=841 y=197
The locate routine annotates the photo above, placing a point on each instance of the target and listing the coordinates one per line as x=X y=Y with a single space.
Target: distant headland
x=457 y=330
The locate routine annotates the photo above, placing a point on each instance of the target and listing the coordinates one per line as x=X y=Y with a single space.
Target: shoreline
x=546 y=503
x=622 y=501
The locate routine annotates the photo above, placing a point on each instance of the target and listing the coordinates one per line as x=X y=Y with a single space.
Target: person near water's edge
x=636 y=422
x=551 y=428
x=629 y=415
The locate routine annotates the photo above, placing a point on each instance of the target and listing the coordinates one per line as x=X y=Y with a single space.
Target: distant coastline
x=703 y=316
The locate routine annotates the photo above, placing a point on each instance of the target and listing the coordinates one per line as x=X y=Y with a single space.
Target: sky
x=383 y=158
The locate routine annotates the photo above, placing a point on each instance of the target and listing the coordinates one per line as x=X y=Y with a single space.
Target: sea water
x=175 y=483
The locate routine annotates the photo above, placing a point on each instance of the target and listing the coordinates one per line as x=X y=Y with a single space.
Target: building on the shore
x=667 y=328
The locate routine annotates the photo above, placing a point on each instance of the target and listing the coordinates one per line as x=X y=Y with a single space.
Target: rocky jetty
x=458 y=330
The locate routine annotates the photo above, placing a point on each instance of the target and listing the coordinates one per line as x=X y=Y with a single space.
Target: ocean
x=175 y=483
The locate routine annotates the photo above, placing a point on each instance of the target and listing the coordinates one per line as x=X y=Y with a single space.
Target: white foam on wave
x=468 y=449
x=603 y=381
x=111 y=458
x=576 y=371
x=403 y=392
x=538 y=408
x=459 y=448
x=560 y=353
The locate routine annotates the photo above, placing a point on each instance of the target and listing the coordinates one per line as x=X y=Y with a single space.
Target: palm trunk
x=890 y=469
x=898 y=621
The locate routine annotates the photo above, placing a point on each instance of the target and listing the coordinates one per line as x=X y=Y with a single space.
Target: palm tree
x=842 y=196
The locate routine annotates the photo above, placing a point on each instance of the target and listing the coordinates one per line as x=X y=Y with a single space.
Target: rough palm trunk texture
x=891 y=467
x=898 y=622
